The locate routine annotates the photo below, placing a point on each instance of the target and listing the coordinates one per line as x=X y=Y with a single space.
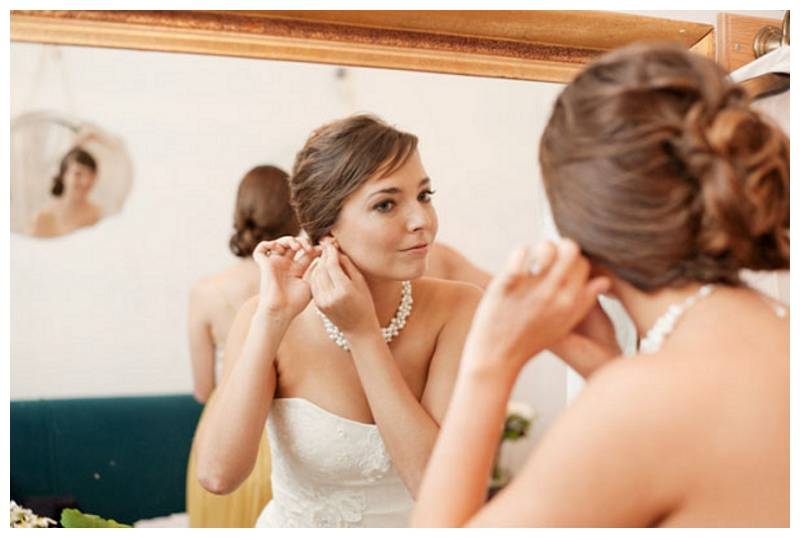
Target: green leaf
x=75 y=519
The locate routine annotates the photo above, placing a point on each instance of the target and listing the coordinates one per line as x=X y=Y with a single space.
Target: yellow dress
x=238 y=509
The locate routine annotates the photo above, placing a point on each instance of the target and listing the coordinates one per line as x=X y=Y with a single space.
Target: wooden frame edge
x=199 y=33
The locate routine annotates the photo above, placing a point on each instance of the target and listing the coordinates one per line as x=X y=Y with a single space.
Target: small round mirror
x=66 y=174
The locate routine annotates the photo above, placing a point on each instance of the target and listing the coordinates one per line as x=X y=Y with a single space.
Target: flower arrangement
x=520 y=417
x=24 y=518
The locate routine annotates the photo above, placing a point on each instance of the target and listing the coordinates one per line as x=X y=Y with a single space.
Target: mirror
x=121 y=289
x=195 y=123
x=66 y=174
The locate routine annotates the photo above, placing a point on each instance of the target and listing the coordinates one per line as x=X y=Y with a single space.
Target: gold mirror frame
x=547 y=46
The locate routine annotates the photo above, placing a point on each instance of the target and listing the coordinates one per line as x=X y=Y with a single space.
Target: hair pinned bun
x=656 y=164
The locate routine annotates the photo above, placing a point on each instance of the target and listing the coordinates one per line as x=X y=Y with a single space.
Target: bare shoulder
x=200 y=289
x=94 y=213
x=43 y=223
x=629 y=376
x=204 y=293
x=448 y=293
x=646 y=395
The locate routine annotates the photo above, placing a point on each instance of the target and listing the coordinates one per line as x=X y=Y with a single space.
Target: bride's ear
x=335 y=241
x=600 y=270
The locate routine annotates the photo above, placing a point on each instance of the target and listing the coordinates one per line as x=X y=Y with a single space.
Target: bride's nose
x=419 y=218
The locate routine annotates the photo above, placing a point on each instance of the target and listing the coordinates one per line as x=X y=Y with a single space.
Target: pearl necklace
x=388 y=332
x=664 y=325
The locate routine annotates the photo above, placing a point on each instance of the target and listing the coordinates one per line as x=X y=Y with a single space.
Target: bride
x=668 y=184
x=347 y=353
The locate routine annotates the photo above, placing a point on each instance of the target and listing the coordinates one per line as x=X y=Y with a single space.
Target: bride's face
x=387 y=226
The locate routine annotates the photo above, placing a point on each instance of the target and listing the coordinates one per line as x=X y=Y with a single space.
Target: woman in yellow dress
x=262 y=213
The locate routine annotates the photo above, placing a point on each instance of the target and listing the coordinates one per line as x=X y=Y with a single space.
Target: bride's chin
x=401 y=274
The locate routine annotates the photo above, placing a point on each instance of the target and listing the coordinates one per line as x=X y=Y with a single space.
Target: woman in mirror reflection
x=667 y=183
x=72 y=208
x=348 y=352
x=262 y=212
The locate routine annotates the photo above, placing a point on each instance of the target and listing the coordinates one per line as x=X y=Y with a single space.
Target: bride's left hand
x=340 y=291
x=591 y=345
x=523 y=313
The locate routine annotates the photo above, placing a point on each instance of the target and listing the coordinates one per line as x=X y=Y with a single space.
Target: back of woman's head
x=262 y=210
x=336 y=160
x=657 y=166
x=77 y=155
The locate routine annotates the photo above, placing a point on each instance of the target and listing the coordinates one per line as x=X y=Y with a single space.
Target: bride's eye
x=426 y=195
x=384 y=206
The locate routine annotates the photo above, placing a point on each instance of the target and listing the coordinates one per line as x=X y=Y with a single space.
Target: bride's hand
x=523 y=312
x=340 y=291
x=591 y=345
x=282 y=264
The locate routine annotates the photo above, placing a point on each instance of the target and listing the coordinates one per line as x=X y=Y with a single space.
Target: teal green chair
x=119 y=458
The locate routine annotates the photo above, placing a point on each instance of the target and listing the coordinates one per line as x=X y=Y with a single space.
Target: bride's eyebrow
x=396 y=190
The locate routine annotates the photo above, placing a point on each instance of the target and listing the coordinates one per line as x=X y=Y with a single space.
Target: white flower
x=21 y=517
x=522 y=410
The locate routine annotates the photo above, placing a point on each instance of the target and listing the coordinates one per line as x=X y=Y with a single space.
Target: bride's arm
x=228 y=435
x=409 y=427
x=602 y=464
x=519 y=315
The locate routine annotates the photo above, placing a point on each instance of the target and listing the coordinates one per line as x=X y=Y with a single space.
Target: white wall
x=102 y=311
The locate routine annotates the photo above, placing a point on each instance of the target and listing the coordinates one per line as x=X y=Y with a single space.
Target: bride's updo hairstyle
x=262 y=212
x=655 y=164
x=336 y=160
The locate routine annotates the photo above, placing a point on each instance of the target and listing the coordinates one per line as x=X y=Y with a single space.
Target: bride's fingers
x=306 y=243
x=576 y=277
x=322 y=279
x=350 y=268
x=544 y=257
x=333 y=265
x=303 y=260
x=591 y=290
x=514 y=267
x=267 y=248
x=309 y=271
x=567 y=252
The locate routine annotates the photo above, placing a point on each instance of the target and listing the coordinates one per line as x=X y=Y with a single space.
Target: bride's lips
x=420 y=248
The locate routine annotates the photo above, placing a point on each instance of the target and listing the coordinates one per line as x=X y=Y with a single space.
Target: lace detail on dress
x=374 y=465
x=328 y=471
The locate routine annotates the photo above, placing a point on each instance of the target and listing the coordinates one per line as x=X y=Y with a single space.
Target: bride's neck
x=645 y=308
x=385 y=296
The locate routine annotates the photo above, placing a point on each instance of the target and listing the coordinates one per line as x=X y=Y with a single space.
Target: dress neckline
x=325 y=411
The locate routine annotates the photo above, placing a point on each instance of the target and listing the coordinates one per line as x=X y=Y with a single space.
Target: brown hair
x=78 y=155
x=655 y=164
x=262 y=210
x=337 y=159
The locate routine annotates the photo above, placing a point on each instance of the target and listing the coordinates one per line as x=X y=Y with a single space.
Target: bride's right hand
x=282 y=264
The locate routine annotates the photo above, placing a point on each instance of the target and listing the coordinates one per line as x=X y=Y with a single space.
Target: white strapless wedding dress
x=329 y=471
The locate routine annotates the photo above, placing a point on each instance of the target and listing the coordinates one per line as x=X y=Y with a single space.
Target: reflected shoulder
x=95 y=213
x=43 y=222
x=450 y=292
